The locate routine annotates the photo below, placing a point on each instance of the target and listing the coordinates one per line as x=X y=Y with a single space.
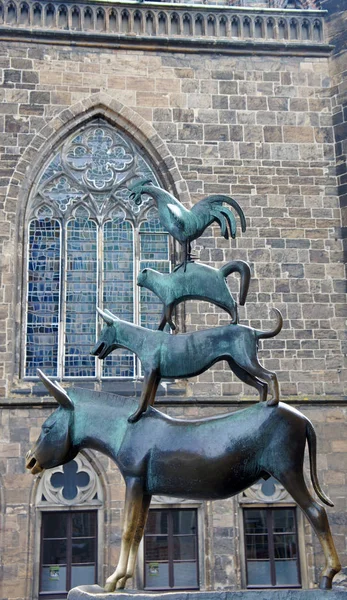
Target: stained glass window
x=87 y=241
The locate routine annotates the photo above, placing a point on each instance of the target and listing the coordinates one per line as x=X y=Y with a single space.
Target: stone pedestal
x=95 y=592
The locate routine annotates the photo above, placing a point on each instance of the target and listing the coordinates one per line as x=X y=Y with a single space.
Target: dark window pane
x=284 y=520
x=286 y=572
x=157 y=548
x=83 y=524
x=157 y=521
x=257 y=546
x=258 y=573
x=54 y=525
x=285 y=546
x=54 y=552
x=157 y=575
x=184 y=547
x=53 y=579
x=185 y=574
x=82 y=575
x=184 y=521
x=255 y=521
x=83 y=550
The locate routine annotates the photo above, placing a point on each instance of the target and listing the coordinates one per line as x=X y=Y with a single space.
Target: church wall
x=259 y=128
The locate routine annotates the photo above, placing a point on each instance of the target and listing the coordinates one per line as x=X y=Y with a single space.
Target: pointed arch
x=46 y=145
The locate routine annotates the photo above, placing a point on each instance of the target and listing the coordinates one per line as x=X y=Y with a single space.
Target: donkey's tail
x=273 y=332
x=241 y=267
x=312 y=450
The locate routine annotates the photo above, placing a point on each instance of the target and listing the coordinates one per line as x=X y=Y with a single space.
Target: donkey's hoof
x=109 y=587
x=325 y=583
x=272 y=402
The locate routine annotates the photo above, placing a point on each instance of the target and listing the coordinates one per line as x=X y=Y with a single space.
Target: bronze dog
x=189 y=354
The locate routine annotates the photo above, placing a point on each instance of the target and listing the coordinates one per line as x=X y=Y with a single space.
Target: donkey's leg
x=249 y=379
x=149 y=389
x=136 y=542
x=132 y=512
x=295 y=484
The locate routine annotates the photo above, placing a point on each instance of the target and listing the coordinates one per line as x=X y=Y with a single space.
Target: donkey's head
x=108 y=337
x=54 y=446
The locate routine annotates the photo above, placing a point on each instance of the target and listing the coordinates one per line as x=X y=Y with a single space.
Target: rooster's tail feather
x=221 y=220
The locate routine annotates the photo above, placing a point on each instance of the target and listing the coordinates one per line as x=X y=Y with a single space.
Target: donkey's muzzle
x=100 y=350
x=32 y=465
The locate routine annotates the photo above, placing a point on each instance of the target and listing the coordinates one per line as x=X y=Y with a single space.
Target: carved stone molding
x=283 y=25
x=72 y=484
x=269 y=491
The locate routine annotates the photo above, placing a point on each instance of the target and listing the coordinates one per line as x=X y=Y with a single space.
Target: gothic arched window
x=87 y=241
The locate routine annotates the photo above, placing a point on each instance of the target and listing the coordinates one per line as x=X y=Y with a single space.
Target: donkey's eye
x=47 y=428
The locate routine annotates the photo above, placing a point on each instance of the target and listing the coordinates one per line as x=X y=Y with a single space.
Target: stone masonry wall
x=259 y=129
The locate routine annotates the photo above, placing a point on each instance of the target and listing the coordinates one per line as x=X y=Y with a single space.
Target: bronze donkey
x=179 y=356
x=207 y=459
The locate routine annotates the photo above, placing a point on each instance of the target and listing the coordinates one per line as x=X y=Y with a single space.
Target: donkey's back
x=215 y=457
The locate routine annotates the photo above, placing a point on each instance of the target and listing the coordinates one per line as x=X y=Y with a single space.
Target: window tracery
x=87 y=241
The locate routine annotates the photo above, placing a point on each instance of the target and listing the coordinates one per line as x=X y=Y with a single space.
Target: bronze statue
x=187 y=225
x=196 y=282
x=189 y=354
x=205 y=459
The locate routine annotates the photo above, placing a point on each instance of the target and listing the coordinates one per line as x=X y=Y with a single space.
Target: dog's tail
x=273 y=332
x=241 y=267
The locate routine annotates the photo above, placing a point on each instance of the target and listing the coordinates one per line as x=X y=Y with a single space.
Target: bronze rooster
x=187 y=225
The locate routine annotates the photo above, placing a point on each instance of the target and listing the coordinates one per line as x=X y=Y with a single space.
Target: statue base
x=95 y=592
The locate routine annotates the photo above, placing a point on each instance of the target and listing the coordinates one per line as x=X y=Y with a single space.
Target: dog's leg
x=254 y=368
x=249 y=379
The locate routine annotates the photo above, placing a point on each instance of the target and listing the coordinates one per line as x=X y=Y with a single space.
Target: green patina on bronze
x=163 y=355
x=196 y=282
x=204 y=459
x=187 y=225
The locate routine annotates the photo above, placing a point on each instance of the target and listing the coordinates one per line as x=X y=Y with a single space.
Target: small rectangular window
x=68 y=552
x=171 y=550
x=271 y=548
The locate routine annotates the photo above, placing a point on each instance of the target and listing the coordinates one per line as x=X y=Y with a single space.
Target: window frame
x=170 y=509
x=50 y=595
x=269 y=510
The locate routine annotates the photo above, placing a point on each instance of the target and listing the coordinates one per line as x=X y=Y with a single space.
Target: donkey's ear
x=108 y=317
x=108 y=312
x=56 y=390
